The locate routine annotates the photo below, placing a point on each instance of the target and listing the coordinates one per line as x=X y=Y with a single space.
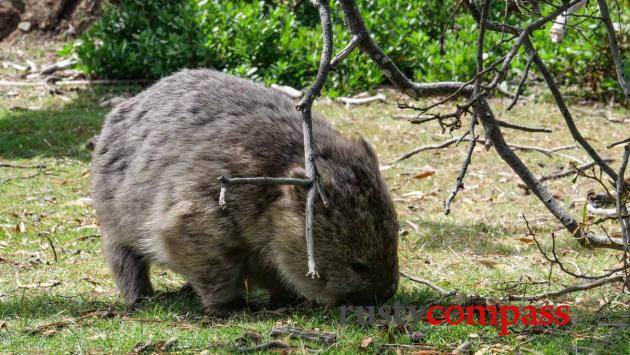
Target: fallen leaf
x=424 y=174
x=488 y=263
x=365 y=342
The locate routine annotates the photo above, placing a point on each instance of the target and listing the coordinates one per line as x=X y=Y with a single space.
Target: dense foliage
x=280 y=41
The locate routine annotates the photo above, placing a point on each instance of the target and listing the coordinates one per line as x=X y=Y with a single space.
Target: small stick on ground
x=39 y=171
x=15 y=166
x=362 y=100
x=52 y=246
x=270 y=345
x=437 y=288
x=304 y=334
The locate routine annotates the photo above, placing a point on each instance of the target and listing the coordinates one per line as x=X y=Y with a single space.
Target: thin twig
x=564 y=110
x=270 y=345
x=304 y=334
x=352 y=45
x=523 y=128
x=437 y=288
x=627 y=140
x=425 y=147
x=521 y=84
x=513 y=146
x=614 y=47
x=622 y=211
x=39 y=171
x=305 y=106
x=555 y=260
x=15 y=166
x=52 y=246
x=570 y=289
x=459 y=184
x=572 y=172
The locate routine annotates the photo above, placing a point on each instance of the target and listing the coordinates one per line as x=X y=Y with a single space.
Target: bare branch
x=354 y=42
x=462 y=173
x=564 y=110
x=523 y=128
x=355 y=25
x=305 y=107
x=618 y=143
x=555 y=260
x=614 y=47
x=572 y=172
x=446 y=143
x=521 y=84
x=425 y=147
x=568 y=290
x=622 y=211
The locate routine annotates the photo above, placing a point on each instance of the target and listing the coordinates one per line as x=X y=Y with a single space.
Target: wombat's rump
x=155 y=190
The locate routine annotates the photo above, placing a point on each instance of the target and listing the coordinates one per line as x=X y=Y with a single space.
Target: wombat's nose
x=390 y=291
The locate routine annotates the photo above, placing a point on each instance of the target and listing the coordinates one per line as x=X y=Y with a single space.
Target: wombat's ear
x=370 y=150
x=296 y=192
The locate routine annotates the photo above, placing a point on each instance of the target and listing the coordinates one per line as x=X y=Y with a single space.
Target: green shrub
x=280 y=41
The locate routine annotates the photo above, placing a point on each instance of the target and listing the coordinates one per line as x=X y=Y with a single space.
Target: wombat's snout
x=375 y=297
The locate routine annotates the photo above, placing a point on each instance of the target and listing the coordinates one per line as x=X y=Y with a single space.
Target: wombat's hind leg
x=131 y=272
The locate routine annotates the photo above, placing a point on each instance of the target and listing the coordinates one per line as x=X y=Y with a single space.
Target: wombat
x=155 y=191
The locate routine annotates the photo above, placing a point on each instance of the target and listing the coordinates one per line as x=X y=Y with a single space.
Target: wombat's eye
x=359 y=267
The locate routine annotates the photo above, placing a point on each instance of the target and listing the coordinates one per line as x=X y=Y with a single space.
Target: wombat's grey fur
x=155 y=191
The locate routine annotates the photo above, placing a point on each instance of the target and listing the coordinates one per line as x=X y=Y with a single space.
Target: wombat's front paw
x=224 y=310
x=279 y=300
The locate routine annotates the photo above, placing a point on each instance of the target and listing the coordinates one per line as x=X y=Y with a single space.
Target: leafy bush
x=280 y=41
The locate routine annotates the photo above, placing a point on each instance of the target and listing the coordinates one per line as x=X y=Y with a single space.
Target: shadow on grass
x=181 y=302
x=56 y=131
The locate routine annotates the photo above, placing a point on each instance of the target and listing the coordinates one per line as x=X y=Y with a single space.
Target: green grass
x=479 y=248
